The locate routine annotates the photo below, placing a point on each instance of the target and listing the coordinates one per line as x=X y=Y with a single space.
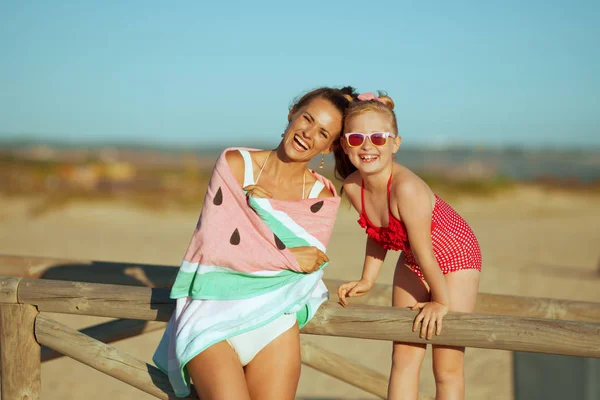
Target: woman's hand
x=353 y=289
x=431 y=318
x=257 y=191
x=309 y=258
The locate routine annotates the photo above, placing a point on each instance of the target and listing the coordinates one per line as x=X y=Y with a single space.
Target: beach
x=535 y=242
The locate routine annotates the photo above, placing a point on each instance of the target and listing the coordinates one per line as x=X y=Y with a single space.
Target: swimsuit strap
x=316 y=189
x=248 y=170
x=362 y=196
x=263 y=167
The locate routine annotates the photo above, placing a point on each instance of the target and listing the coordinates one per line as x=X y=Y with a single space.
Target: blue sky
x=224 y=72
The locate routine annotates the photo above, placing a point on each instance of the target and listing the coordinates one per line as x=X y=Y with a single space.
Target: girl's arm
x=374 y=257
x=414 y=207
x=374 y=254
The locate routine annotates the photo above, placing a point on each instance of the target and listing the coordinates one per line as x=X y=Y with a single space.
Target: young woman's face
x=313 y=130
x=367 y=157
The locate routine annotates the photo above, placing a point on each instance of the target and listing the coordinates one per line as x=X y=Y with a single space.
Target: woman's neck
x=281 y=169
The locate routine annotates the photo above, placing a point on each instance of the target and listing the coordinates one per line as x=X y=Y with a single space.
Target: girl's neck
x=377 y=181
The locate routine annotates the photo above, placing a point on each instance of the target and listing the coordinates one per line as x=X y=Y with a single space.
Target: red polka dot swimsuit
x=454 y=244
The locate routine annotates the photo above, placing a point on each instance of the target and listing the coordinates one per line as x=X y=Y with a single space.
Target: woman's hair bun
x=349 y=93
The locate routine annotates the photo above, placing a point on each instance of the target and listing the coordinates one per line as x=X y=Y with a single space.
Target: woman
x=251 y=276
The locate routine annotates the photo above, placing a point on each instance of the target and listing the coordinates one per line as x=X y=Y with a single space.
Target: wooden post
x=20 y=353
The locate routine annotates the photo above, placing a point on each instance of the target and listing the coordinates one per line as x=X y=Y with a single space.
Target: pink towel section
x=230 y=234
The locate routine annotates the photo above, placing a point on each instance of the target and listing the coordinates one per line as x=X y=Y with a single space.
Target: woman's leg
x=217 y=374
x=408 y=290
x=449 y=361
x=273 y=374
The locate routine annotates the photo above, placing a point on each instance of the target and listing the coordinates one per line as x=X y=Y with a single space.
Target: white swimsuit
x=248 y=344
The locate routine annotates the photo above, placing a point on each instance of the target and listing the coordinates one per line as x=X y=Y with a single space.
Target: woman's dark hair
x=341 y=99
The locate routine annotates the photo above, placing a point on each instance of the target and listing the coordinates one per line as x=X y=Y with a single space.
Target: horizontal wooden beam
x=312 y=355
x=162 y=276
x=103 y=357
x=97 y=299
x=498 y=304
x=9 y=286
x=460 y=329
x=359 y=321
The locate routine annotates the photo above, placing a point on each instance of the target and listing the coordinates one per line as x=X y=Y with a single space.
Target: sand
x=534 y=243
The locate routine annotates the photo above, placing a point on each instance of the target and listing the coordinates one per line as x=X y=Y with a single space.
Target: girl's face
x=313 y=130
x=367 y=157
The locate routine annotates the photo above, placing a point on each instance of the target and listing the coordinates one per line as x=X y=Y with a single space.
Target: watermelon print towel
x=238 y=272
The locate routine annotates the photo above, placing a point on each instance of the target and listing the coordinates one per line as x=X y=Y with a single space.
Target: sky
x=483 y=73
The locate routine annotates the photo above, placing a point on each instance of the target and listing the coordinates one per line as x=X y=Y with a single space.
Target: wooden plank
x=96 y=299
x=534 y=307
x=103 y=357
x=312 y=355
x=150 y=275
x=344 y=369
x=8 y=289
x=460 y=329
x=112 y=331
x=20 y=353
x=359 y=321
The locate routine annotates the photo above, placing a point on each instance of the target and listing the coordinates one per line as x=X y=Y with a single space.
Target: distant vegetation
x=181 y=185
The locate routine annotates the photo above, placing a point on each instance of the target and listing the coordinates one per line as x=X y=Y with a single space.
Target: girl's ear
x=396 y=143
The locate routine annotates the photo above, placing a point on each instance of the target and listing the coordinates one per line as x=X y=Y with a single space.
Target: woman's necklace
x=263 y=167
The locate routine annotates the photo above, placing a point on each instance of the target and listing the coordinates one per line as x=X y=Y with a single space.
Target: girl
x=251 y=276
x=440 y=263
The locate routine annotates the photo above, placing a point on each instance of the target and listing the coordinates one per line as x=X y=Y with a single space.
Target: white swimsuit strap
x=248 y=170
x=316 y=190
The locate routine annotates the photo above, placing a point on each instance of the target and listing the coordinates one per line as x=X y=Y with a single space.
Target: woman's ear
x=332 y=147
x=396 y=143
x=291 y=114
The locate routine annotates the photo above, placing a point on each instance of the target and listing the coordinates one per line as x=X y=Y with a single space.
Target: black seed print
x=235 y=237
x=316 y=207
x=279 y=243
x=218 y=200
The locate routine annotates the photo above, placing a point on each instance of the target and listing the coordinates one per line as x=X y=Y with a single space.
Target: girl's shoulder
x=352 y=183
x=406 y=183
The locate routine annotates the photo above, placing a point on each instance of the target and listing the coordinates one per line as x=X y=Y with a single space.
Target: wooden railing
x=39 y=285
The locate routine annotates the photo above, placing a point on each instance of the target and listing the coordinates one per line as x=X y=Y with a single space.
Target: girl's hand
x=353 y=289
x=431 y=318
x=257 y=191
x=309 y=258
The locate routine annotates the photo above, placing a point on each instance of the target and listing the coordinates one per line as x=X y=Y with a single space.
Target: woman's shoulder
x=236 y=162
x=234 y=157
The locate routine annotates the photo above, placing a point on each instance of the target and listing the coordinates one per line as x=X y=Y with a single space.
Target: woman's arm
x=414 y=208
